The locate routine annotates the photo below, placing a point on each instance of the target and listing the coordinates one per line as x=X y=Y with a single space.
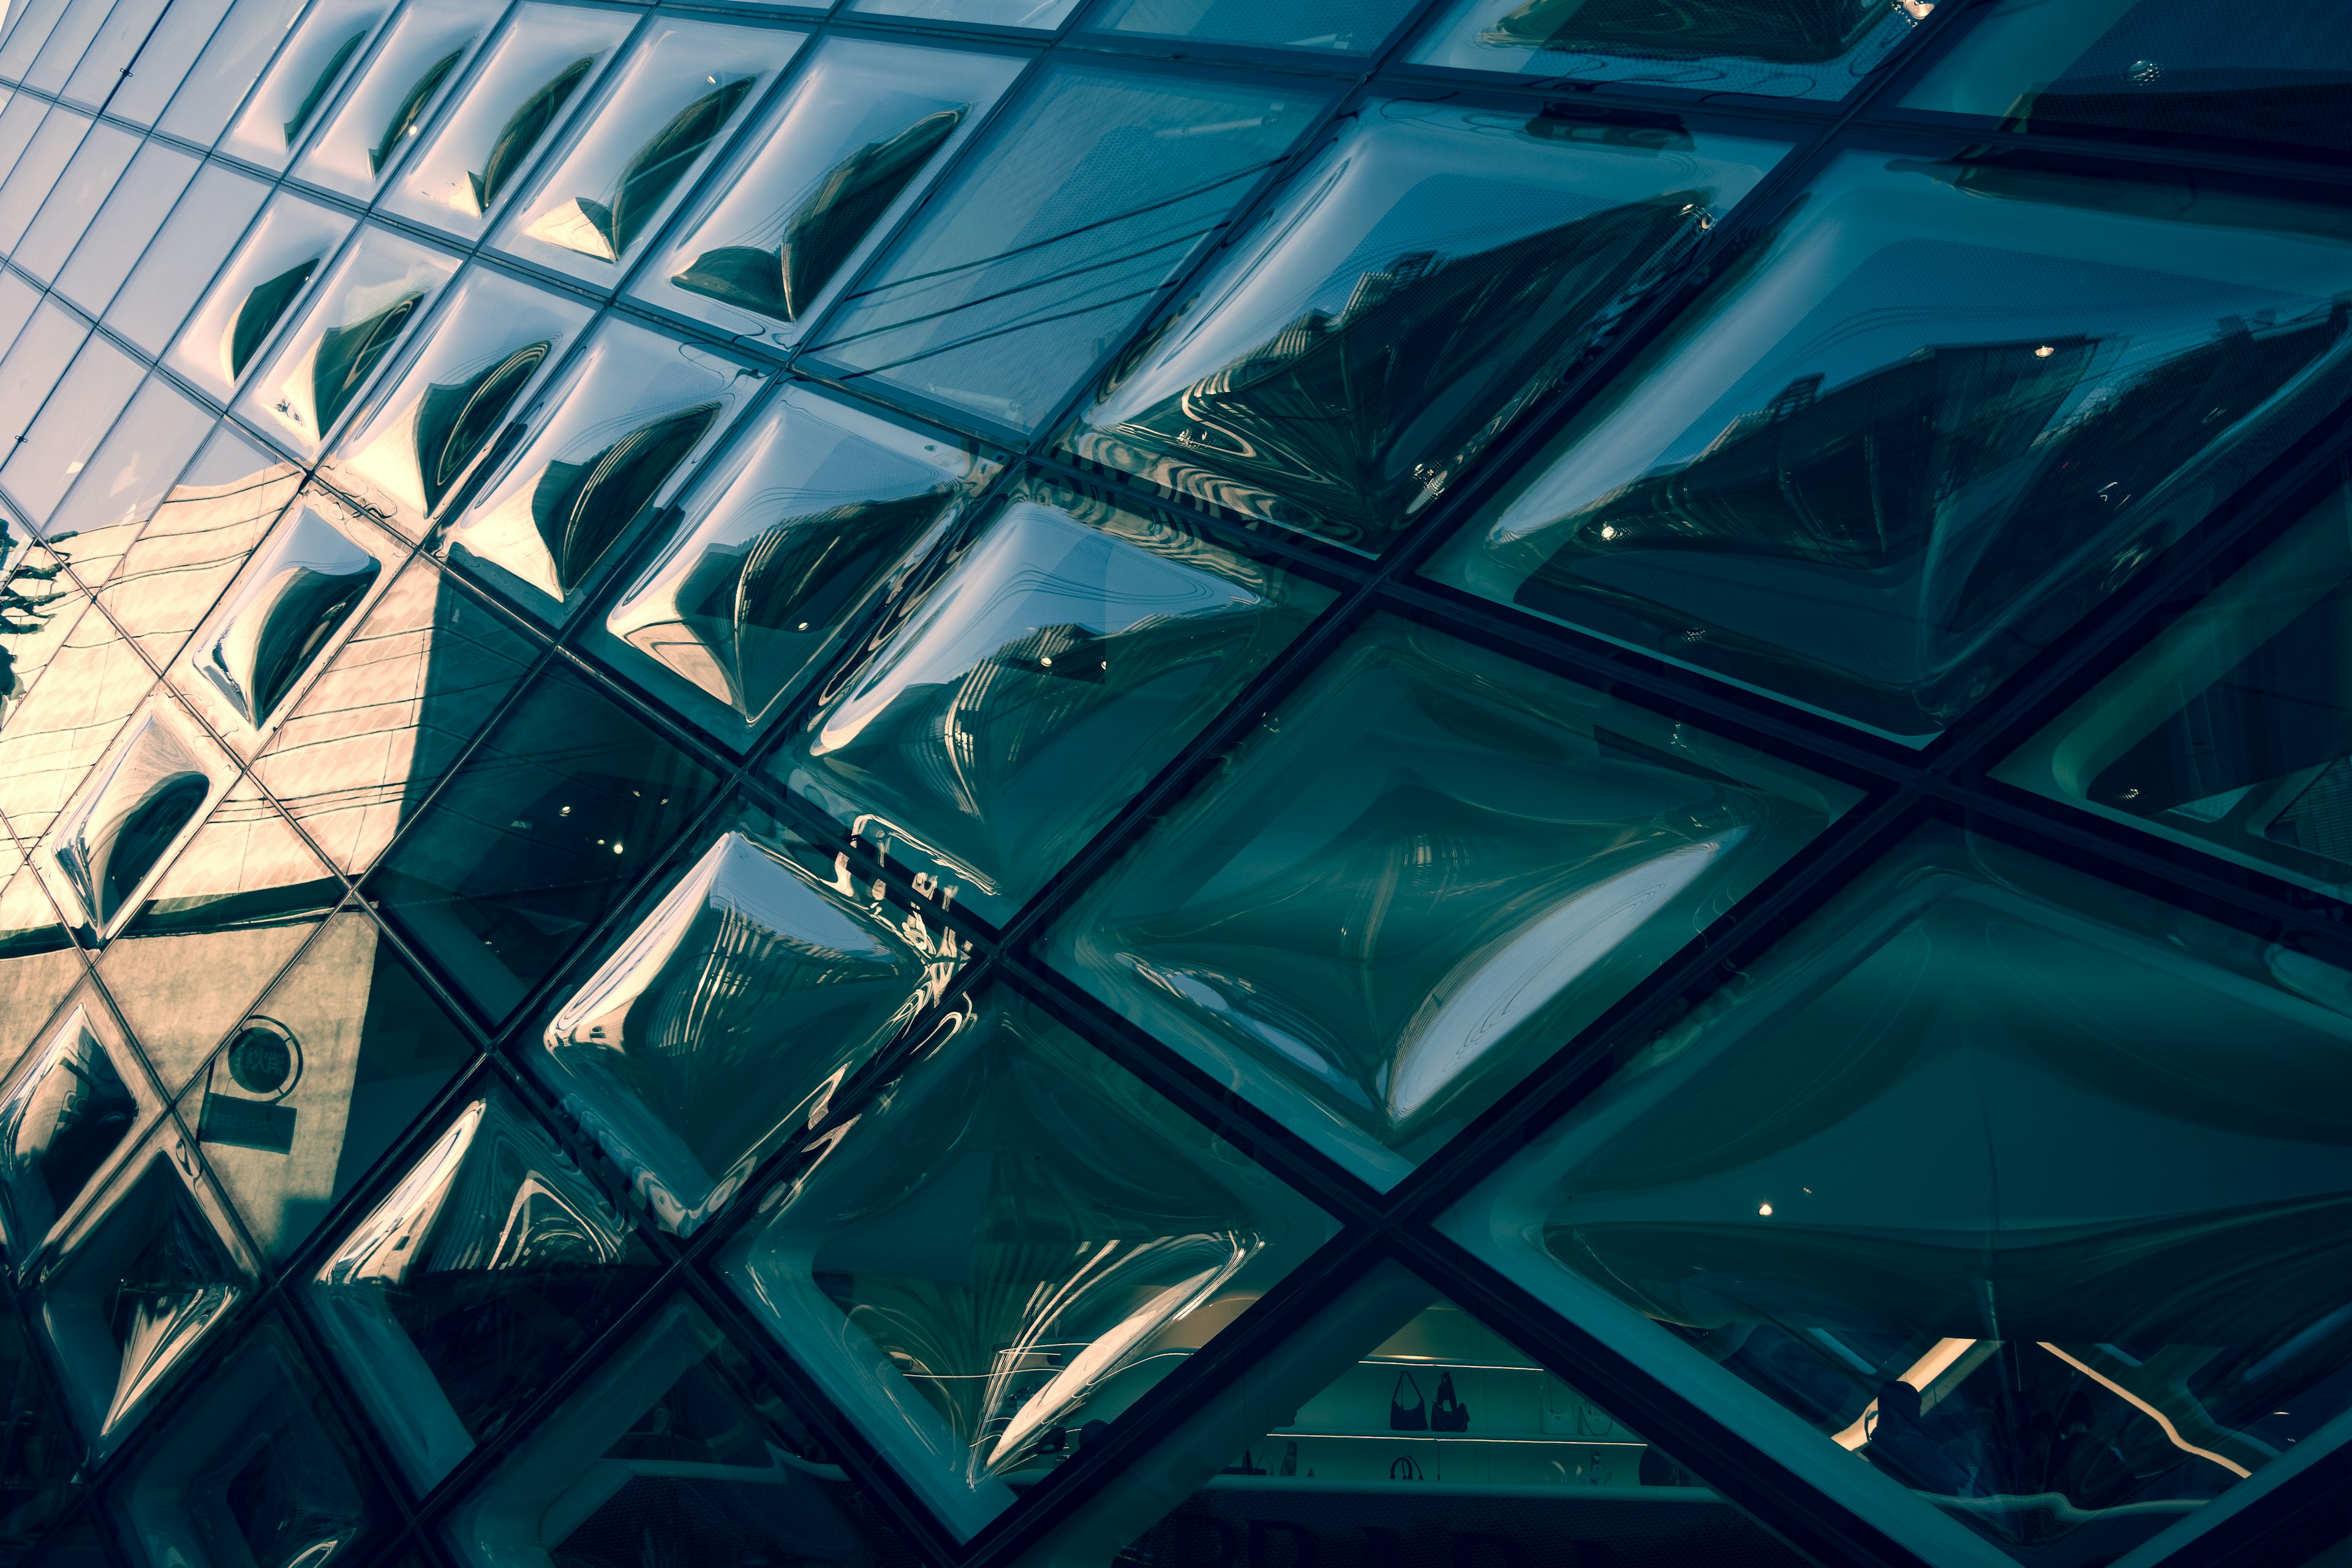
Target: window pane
x=272 y=272
x=172 y=272
x=86 y=182
x=1336 y=24
x=302 y=81
x=423 y=52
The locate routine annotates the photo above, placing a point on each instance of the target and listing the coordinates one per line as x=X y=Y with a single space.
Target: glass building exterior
x=1415 y=783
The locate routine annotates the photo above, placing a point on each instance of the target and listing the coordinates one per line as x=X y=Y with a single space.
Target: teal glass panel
x=1338 y=25
x=2016 y=1189
x=1941 y=411
x=2154 y=66
x=2233 y=730
x=728 y=1015
x=1066 y=656
x=1091 y=194
x=1411 y=290
x=1773 y=48
x=1428 y=870
x=1019 y=1241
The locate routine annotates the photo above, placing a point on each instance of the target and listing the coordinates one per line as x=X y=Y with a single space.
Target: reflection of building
x=1361 y=416
x=1785 y=32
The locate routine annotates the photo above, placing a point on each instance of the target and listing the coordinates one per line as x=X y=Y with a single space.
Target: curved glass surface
x=1062 y=658
x=1347 y=26
x=288 y=247
x=1435 y=270
x=161 y=779
x=72 y=1102
x=1427 y=872
x=1019 y=1242
x=302 y=81
x=1772 y=49
x=1956 y=1178
x=1944 y=410
x=854 y=141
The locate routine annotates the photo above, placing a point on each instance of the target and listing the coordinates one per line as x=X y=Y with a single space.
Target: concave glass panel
x=855 y=140
x=383 y=285
x=136 y=1288
x=324 y=1074
x=1432 y=273
x=600 y=448
x=540 y=68
x=386 y=719
x=485 y=1271
x=132 y=815
x=408 y=457
x=170 y=273
x=1915 y=434
x=1426 y=872
x=1396 y=1427
x=1775 y=48
x=566 y=801
x=1069 y=652
x=679 y=1440
x=2233 y=730
x=1091 y=194
x=1349 y=26
x=284 y=254
x=72 y=1103
x=311 y=579
x=822 y=512
x=668 y=109
x=1956 y=1177
x=423 y=52
x=1020 y=1239
x=300 y=82
x=256 y=1471
x=731 y=1012
x=1027 y=13
x=2134 y=66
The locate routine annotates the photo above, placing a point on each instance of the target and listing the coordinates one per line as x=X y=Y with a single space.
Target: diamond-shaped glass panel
x=73 y=1103
x=679 y=1446
x=732 y=1011
x=1941 y=412
x=36 y=1483
x=138 y=805
x=1428 y=871
x=1960 y=1177
x=1069 y=652
x=1416 y=286
x=490 y=1266
x=1020 y=1239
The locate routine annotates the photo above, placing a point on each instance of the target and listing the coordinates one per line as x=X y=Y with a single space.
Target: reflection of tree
x=21 y=613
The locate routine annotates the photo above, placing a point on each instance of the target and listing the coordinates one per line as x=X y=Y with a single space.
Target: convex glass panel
x=1943 y=410
x=421 y=52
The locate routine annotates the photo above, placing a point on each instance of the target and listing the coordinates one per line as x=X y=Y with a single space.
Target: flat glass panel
x=133 y=469
x=256 y=1471
x=37 y=963
x=55 y=732
x=599 y=449
x=385 y=721
x=271 y=274
x=2139 y=66
x=730 y=1010
x=485 y=1272
x=97 y=163
x=423 y=53
x=18 y=124
x=1050 y=243
x=410 y=456
x=319 y=1081
x=28 y=27
x=854 y=144
x=1820 y=49
x=1021 y=1239
x=818 y=518
x=33 y=363
x=74 y=418
x=1431 y=869
x=123 y=36
x=1399 y=1428
x=678 y=1439
x=188 y=30
x=290 y=101
x=1033 y=14
x=1066 y=656
x=36 y=175
x=383 y=285
x=64 y=44
x=1955 y=1176
x=668 y=111
x=44 y=603
x=565 y=802
x=172 y=272
x=2231 y=729
x=1940 y=413
x=1434 y=271
x=542 y=66
x=1349 y=26
x=138 y=1289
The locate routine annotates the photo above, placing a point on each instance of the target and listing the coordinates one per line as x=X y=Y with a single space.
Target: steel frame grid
x=1946 y=783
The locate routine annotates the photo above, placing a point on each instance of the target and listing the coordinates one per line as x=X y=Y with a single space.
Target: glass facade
x=1043 y=783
